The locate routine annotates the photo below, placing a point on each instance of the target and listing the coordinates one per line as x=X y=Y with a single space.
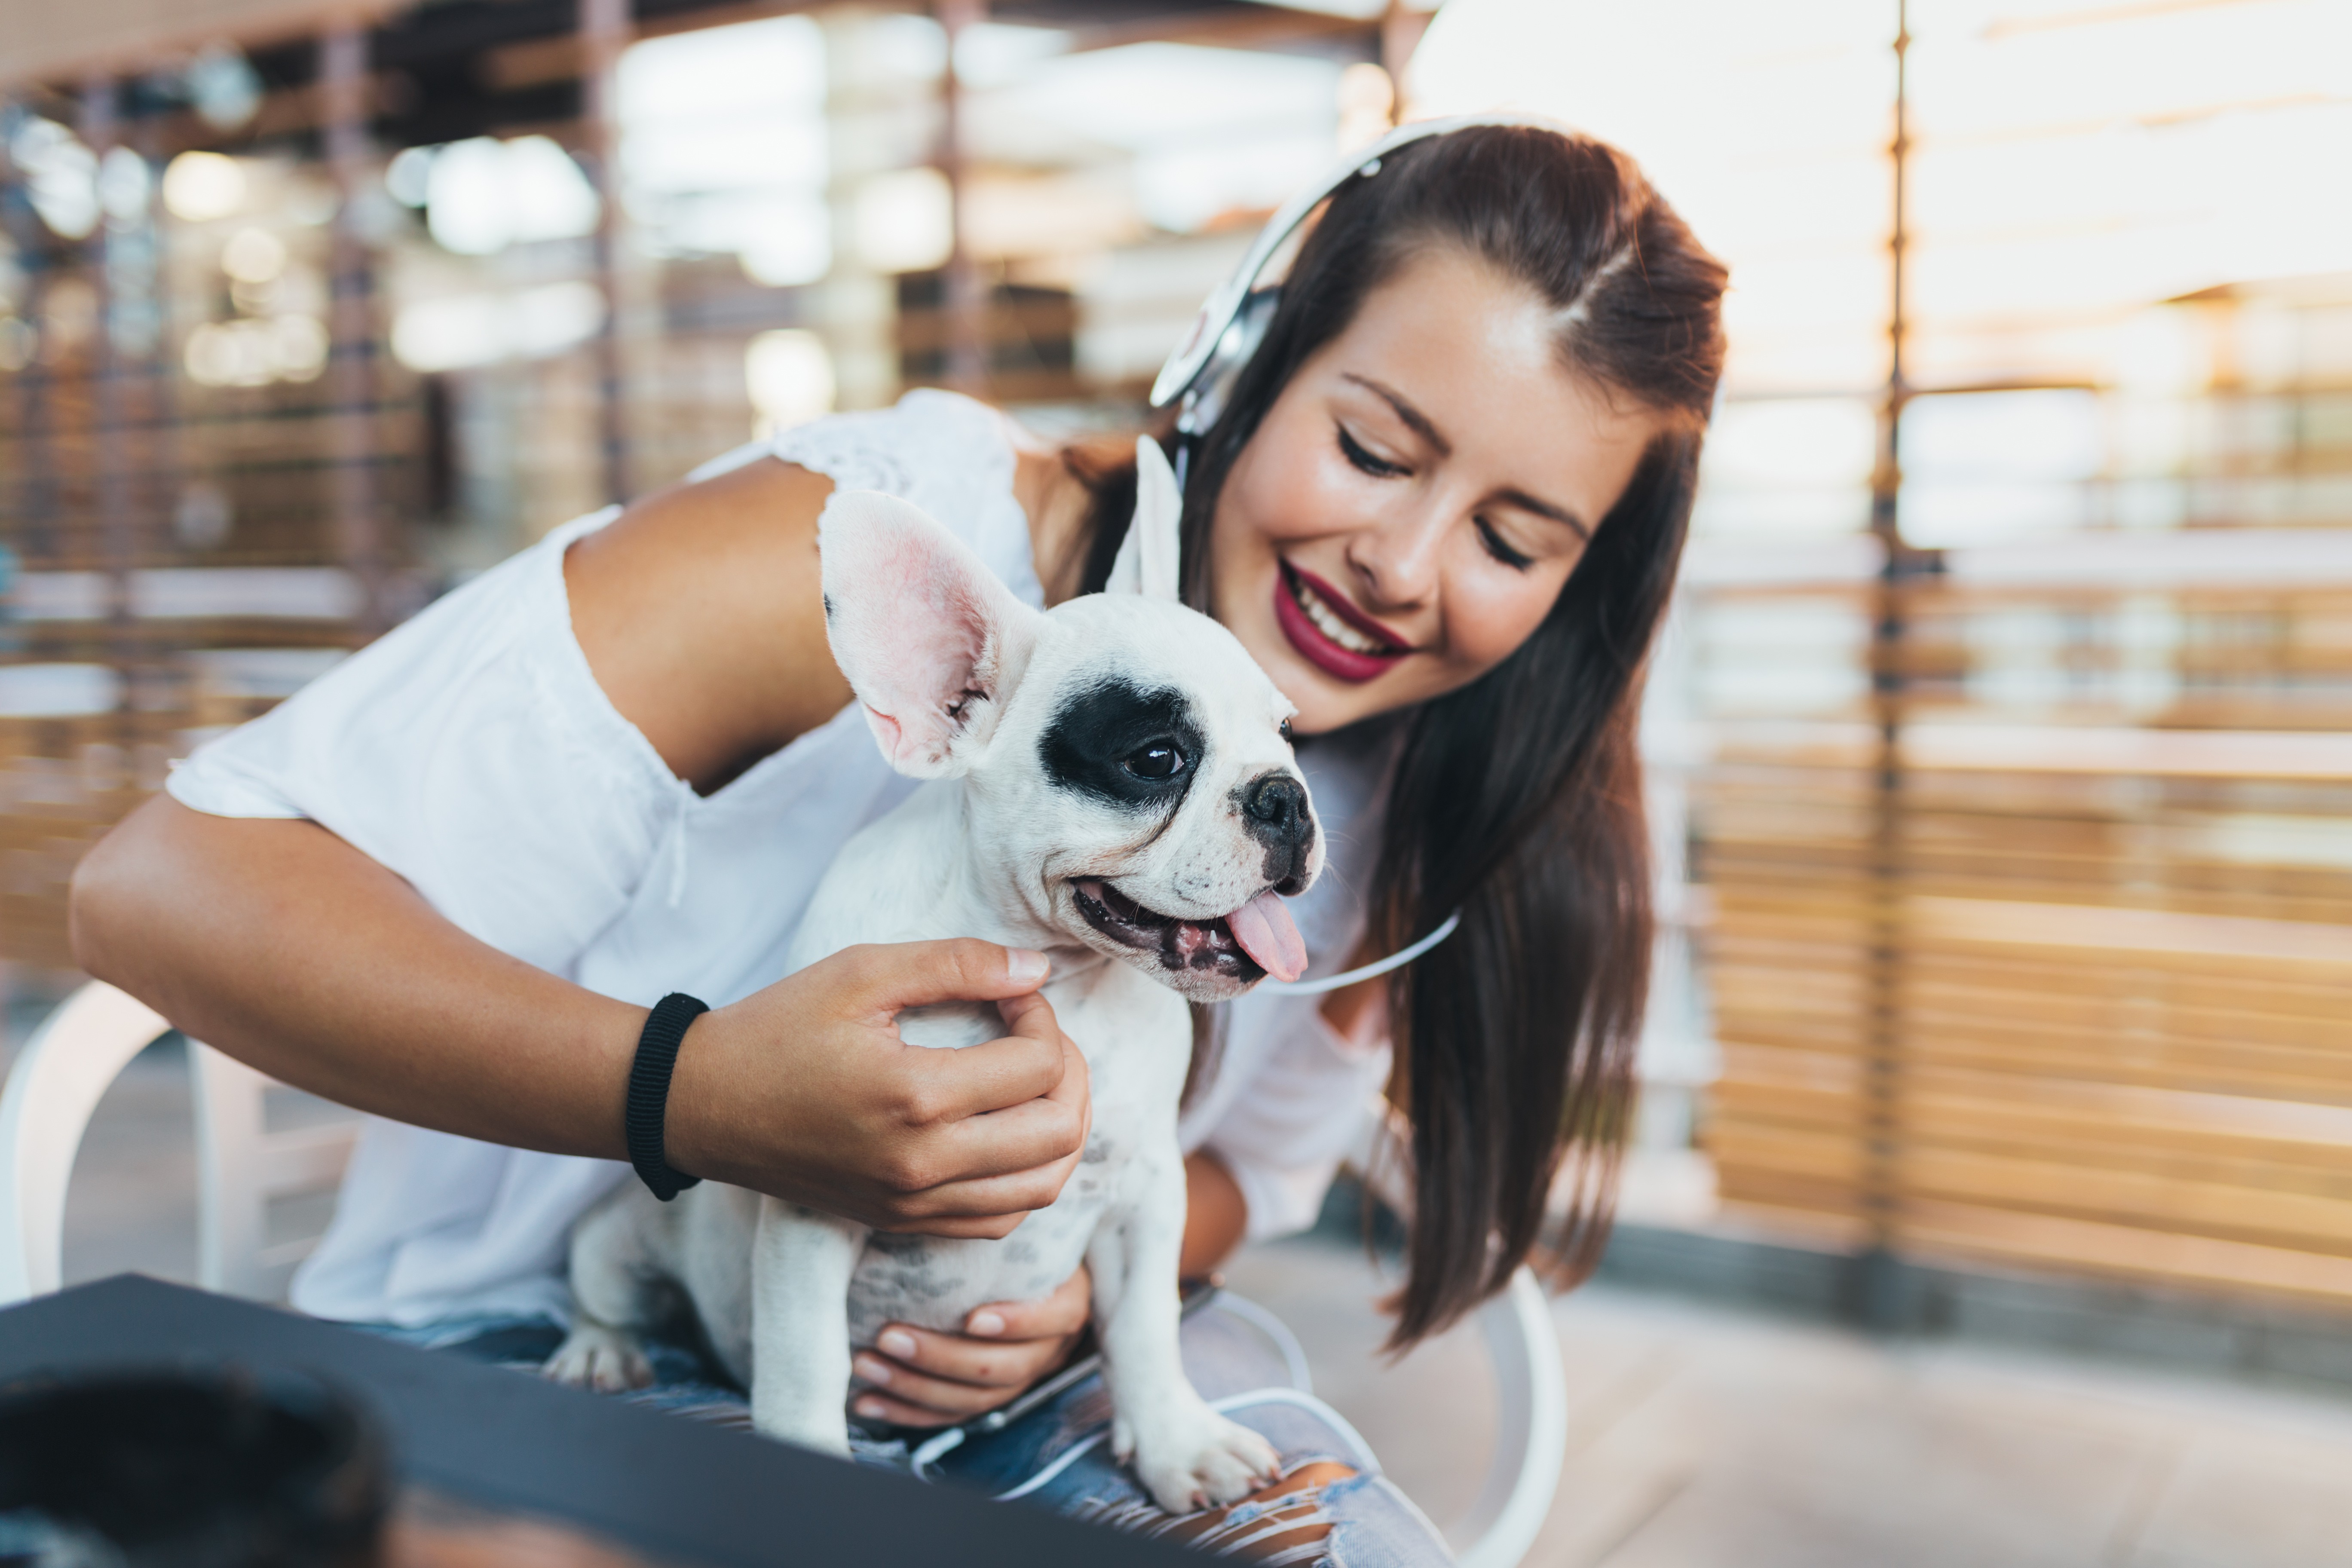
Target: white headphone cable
x=1396 y=960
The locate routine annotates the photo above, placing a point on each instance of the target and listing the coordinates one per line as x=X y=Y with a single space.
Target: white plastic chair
x=1530 y=1384
x=1531 y=1426
x=52 y=1089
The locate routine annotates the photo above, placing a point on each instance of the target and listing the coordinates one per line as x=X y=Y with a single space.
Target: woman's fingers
x=1057 y=1316
x=997 y=1096
x=885 y=978
x=897 y=1388
x=1007 y=1161
x=1051 y=1125
x=926 y=1378
x=1030 y=1014
x=876 y=1406
x=1004 y=1364
x=992 y=1374
x=1003 y=1201
x=995 y=1077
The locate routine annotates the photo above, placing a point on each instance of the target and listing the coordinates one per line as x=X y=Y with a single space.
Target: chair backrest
x=1530 y=1384
x=1530 y=1427
x=54 y=1087
x=241 y=1166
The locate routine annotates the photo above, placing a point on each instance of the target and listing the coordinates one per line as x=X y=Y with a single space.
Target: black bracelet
x=649 y=1092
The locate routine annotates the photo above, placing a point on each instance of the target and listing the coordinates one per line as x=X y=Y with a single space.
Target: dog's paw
x=1194 y=1459
x=594 y=1356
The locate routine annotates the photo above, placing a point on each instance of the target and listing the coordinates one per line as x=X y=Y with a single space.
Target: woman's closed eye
x=1365 y=459
x=1500 y=549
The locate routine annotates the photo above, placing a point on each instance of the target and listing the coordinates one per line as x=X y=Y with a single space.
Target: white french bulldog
x=1113 y=783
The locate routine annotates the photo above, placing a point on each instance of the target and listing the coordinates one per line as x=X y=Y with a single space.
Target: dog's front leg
x=1187 y=1456
x=800 y=1265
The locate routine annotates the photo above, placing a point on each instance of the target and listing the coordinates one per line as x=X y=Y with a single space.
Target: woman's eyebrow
x=1428 y=432
x=1404 y=411
x=1544 y=508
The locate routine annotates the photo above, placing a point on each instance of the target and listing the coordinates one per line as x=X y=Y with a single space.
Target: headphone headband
x=1235 y=316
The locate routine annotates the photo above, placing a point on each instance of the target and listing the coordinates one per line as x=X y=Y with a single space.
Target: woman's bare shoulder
x=702 y=617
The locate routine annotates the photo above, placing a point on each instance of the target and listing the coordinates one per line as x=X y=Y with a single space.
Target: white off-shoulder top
x=471 y=752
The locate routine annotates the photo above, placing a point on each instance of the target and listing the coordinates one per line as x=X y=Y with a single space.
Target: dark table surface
x=668 y=1487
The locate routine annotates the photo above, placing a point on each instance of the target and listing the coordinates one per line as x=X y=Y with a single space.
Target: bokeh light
x=199 y=187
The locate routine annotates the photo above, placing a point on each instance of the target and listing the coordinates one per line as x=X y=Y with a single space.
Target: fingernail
x=1026 y=967
x=897 y=1343
x=986 y=1323
x=873 y=1407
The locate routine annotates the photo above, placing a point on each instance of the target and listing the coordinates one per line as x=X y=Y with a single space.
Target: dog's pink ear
x=932 y=643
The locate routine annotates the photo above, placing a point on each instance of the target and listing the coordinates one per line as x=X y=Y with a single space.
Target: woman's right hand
x=806 y=1090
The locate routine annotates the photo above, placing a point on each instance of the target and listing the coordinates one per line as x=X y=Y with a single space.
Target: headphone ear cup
x=1212 y=385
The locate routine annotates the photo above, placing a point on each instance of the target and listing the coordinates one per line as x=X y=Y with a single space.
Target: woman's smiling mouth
x=1330 y=632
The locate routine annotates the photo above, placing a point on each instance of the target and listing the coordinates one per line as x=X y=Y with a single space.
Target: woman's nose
x=1398 y=561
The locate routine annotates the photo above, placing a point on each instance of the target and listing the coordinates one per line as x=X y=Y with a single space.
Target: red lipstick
x=1318 y=649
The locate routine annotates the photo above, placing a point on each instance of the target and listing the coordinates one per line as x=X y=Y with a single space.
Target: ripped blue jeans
x=1058 y=1455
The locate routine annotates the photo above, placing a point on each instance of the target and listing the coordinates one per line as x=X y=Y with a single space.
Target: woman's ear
x=930 y=640
x=1148 y=558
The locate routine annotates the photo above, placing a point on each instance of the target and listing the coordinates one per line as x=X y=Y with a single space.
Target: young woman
x=1442 y=507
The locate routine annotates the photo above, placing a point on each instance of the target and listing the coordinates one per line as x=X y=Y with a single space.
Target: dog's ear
x=1148 y=558
x=932 y=643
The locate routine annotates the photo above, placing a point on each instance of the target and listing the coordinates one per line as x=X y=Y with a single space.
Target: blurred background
x=1999 y=758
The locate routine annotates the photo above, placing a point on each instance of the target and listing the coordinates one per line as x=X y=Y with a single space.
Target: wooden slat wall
x=63 y=782
x=2026 y=862
x=105 y=439
x=2065 y=1014
x=65 y=42
x=466 y=465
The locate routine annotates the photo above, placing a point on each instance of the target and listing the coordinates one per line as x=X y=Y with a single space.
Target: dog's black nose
x=1278 y=804
x=1275 y=808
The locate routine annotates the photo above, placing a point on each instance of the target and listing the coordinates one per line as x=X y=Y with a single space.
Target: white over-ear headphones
x=1200 y=376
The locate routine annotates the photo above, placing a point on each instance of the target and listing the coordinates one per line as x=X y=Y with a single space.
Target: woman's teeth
x=1328 y=622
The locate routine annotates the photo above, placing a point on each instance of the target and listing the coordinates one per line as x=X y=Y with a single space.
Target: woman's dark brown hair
x=1518 y=798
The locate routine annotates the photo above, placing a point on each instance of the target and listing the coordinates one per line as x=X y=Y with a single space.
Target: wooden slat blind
x=2023 y=832
x=2069 y=988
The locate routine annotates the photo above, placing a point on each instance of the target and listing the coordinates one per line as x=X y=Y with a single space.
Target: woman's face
x=1405 y=516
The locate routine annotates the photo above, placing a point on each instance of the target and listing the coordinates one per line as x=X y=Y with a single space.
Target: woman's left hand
x=922 y=1377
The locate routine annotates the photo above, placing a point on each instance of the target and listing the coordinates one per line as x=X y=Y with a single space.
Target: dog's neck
x=975 y=896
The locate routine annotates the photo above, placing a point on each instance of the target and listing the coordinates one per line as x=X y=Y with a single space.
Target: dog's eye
x=1155 y=760
x=1286 y=730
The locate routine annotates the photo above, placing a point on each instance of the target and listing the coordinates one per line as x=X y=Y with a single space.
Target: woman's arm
x=286 y=947
x=702 y=615
x=1216 y=1215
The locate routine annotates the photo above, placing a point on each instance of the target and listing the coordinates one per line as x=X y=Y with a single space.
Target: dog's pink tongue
x=1264 y=928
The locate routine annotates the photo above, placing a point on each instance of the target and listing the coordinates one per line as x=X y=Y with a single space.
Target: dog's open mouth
x=1254 y=941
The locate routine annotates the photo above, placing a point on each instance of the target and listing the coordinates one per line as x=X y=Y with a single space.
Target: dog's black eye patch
x=1119 y=742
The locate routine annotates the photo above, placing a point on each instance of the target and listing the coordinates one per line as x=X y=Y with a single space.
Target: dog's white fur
x=962 y=685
